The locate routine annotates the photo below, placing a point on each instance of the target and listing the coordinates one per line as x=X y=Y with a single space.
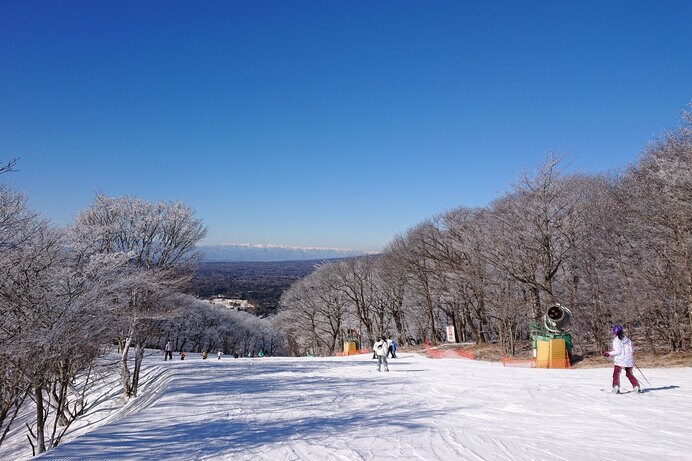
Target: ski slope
x=341 y=408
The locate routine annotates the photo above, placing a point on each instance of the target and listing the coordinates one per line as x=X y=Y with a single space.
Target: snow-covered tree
x=17 y=225
x=655 y=195
x=159 y=239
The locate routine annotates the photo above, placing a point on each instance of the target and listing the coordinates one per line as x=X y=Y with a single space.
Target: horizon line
x=291 y=247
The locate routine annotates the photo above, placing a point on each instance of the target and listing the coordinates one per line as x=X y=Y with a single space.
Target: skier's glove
x=606 y=354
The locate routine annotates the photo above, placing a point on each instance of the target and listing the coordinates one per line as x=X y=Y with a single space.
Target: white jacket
x=381 y=348
x=623 y=352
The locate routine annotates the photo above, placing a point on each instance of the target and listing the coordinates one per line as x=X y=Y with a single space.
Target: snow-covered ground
x=342 y=409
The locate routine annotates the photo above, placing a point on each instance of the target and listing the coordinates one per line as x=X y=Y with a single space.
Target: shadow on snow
x=294 y=407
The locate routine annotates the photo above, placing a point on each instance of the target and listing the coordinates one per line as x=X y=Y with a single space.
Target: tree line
x=614 y=248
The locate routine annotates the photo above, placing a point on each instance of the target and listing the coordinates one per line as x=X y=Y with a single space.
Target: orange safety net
x=531 y=363
x=354 y=352
x=523 y=363
x=437 y=353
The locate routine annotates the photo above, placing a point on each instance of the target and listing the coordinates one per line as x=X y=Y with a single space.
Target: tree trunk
x=124 y=369
x=475 y=333
x=431 y=316
x=139 y=356
x=10 y=409
x=40 y=420
x=689 y=309
x=399 y=323
x=482 y=321
x=458 y=328
x=536 y=303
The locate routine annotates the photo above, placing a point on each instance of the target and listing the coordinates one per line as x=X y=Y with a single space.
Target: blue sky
x=325 y=123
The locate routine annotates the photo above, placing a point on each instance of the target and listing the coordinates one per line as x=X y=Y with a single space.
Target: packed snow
x=342 y=408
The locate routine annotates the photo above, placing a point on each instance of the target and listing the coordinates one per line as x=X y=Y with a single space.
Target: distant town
x=238 y=304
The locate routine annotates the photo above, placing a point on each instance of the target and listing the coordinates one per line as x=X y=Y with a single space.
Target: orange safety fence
x=437 y=353
x=514 y=362
x=354 y=352
x=532 y=362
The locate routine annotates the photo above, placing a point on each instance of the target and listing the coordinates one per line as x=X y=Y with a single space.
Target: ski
x=626 y=391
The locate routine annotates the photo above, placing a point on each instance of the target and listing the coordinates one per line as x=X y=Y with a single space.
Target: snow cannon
x=551 y=343
x=557 y=319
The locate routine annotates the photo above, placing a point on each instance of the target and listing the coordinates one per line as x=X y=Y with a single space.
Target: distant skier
x=392 y=348
x=381 y=348
x=168 y=351
x=218 y=355
x=623 y=356
x=182 y=355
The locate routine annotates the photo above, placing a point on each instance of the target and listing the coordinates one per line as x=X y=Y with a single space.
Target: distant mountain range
x=262 y=252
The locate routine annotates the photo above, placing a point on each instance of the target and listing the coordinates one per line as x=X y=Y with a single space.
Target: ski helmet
x=617 y=329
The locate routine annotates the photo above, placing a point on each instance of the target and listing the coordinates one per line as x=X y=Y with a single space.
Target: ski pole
x=640 y=371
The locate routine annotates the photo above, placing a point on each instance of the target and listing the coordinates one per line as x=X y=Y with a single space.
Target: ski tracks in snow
x=342 y=409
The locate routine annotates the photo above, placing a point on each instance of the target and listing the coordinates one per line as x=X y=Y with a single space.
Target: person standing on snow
x=381 y=348
x=623 y=356
x=168 y=351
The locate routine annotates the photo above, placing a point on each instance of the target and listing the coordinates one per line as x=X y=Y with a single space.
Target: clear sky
x=327 y=123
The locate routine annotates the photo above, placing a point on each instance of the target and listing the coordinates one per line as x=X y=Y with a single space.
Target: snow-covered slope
x=424 y=409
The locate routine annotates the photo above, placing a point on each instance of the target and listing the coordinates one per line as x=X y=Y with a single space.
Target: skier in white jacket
x=623 y=356
x=381 y=348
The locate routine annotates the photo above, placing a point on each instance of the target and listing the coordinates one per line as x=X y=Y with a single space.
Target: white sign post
x=450 y=333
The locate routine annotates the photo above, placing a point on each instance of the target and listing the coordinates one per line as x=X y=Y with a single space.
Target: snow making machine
x=551 y=341
x=352 y=341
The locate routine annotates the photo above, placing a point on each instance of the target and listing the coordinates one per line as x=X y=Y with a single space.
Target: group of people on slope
x=168 y=353
x=383 y=348
x=622 y=354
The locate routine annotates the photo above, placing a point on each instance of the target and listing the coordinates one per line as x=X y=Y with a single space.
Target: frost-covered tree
x=465 y=273
x=196 y=325
x=159 y=239
x=390 y=285
x=312 y=313
x=354 y=278
x=415 y=250
x=55 y=307
x=655 y=195
x=534 y=232
x=17 y=226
